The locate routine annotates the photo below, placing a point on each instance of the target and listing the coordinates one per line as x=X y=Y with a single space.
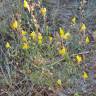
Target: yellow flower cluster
x=33 y=35
x=82 y=25
x=25 y=46
x=63 y=35
x=36 y=37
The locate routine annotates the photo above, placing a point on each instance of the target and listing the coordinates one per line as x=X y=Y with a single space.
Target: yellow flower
x=85 y=75
x=33 y=35
x=67 y=36
x=50 y=38
x=40 y=38
x=39 y=42
x=87 y=40
x=79 y=58
x=23 y=32
x=82 y=27
x=14 y=24
x=24 y=39
x=59 y=82
x=43 y=11
x=61 y=32
x=25 y=46
x=73 y=20
x=62 y=51
x=25 y=4
x=8 y=45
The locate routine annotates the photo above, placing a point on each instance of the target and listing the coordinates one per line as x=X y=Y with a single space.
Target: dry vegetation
x=48 y=49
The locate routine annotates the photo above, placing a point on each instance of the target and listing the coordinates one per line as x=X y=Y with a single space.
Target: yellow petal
x=67 y=36
x=62 y=51
x=39 y=42
x=14 y=24
x=7 y=45
x=25 y=46
x=61 y=32
x=85 y=75
x=25 y=4
x=50 y=38
x=73 y=20
x=33 y=35
x=24 y=39
x=82 y=27
x=59 y=82
x=23 y=32
x=87 y=40
x=79 y=58
x=40 y=36
x=43 y=11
